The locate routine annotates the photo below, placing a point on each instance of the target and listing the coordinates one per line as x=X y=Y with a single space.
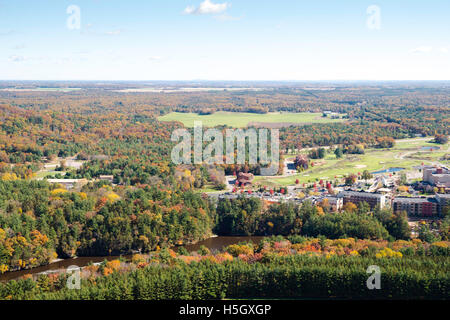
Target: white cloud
x=444 y=50
x=207 y=7
x=155 y=58
x=189 y=10
x=16 y=58
x=422 y=49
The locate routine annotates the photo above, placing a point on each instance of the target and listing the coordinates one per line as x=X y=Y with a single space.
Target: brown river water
x=213 y=244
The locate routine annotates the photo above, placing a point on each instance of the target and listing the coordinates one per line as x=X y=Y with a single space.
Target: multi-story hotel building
x=417 y=207
x=373 y=199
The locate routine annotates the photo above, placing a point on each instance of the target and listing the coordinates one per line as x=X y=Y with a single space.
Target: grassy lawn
x=241 y=119
x=417 y=142
x=207 y=188
x=43 y=174
x=404 y=154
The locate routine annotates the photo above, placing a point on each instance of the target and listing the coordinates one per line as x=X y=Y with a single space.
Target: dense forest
x=246 y=216
x=40 y=222
x=300 y=267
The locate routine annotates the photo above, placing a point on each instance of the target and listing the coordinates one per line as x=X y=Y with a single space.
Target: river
x=213 y=244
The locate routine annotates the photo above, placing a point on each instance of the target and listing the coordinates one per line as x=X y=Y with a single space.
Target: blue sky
x=225 y=40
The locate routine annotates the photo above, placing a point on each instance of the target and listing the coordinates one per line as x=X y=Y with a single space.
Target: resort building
x=373 y=199
x=437 y=176
x=443 y=199
x=417 y=207
x=335 y=203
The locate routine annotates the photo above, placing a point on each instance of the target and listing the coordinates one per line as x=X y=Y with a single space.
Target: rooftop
x=414 y=200
x=360 y=194
x=64 y=180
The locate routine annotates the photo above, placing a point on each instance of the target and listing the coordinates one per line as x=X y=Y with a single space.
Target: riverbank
x=214 y=243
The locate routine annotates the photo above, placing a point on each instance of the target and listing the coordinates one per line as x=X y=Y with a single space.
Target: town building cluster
x=379 y=194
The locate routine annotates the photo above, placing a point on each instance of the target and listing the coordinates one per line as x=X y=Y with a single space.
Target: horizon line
x=229 y=80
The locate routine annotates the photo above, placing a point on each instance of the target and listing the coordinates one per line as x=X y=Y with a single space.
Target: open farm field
x=242 y=119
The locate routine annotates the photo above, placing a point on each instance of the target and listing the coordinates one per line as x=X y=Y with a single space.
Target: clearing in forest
x=243 y=119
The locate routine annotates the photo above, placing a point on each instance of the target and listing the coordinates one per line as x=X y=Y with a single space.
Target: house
x=99 y=157
x=109 y=178
x=244 y=179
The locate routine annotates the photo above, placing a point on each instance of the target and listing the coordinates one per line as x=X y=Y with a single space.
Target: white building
x=68 y=183
x=437 y=176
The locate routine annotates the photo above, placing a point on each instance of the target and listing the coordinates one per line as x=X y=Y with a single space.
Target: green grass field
x=43 y=174
x=405 y=154
x=207 y=188
x=241 y=119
